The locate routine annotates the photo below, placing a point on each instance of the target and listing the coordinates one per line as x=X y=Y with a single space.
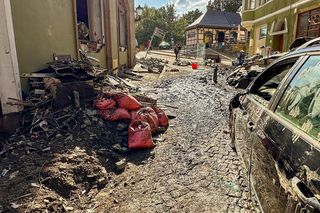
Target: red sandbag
x=115 y=114
x=140 y=136
x=105 y=104
x=127 y=101
x=146 y=115
x=134 y=116
x=162 y=117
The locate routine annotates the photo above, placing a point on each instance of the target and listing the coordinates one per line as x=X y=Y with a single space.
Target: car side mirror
x=236 y=102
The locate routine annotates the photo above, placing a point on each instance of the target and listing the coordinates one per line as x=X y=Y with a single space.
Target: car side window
x=268 y=82
x=300 y=104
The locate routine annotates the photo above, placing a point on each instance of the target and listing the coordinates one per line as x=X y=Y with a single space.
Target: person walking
x=177 y=50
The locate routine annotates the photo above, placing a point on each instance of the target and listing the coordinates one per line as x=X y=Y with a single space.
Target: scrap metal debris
x=155 y=65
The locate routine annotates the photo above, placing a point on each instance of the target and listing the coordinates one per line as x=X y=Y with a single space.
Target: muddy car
x=275 y=128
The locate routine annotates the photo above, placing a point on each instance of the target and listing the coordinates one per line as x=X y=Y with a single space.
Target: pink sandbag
x=127 y=101
x=140 y=136
x=147 y=115
x=162 y=117
x=104 y=104
x=115 y=114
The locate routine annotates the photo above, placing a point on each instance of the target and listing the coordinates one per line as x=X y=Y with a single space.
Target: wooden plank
x=37 y=75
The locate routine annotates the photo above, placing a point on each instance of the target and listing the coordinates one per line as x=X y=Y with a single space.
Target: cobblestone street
x=193 y=169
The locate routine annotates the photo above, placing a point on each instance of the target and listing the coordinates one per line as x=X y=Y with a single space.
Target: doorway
x=278 y=42
x=208 y=39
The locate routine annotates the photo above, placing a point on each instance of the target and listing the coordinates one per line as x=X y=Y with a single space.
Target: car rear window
x=300 y=104
x=268 y=82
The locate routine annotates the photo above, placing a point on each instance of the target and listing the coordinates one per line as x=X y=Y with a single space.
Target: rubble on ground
x=155 y=65
x=182 y=63
x=66 y=148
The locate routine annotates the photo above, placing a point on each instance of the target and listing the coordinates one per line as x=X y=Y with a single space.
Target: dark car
x=275 y=128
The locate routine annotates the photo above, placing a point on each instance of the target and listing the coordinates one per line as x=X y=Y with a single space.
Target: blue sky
x=155 y=3
x=181 y=6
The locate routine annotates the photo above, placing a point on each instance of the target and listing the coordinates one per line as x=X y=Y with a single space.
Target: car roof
x=315 y=48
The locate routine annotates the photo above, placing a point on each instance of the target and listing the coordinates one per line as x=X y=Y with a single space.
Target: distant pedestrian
x=177 y=50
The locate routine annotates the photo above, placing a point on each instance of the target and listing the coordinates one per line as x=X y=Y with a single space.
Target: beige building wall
x=259 y=43
x=44 y=27
x=9 y=71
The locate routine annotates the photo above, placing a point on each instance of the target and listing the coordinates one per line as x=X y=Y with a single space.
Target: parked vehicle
x=164 y=46
x=275 y=128
x=302 y=42
x=312 y=42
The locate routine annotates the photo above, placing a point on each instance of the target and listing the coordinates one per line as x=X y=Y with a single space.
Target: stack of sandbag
x=144 y=121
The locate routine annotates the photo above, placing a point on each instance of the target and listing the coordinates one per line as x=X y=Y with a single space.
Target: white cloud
x=183 y=6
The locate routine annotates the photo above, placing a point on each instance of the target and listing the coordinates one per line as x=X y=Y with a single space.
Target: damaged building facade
x=33 y=31
x=274 y=25
x=215 y=27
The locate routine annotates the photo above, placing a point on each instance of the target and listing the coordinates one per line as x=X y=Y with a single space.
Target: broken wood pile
x=128 y=73
x=51 y=161
x=154 y=65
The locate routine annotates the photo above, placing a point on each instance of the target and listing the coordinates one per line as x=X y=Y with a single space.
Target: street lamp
x=138 y=13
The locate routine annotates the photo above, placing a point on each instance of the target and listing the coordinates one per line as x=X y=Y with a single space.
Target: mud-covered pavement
x=90 y=169
x=193 y=169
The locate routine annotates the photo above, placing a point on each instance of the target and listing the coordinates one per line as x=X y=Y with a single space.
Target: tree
x=191 y=16
x=151 y=18
x=215 y=5
x=166 y=19
x=232 y=5
x=224 y=5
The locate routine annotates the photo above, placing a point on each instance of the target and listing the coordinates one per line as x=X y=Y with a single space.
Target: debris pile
x=128 y=73
x=145 y=121
x=66 y=150
x=243 y=76
x=155 y=65
x=182 y=63
x=253 y=58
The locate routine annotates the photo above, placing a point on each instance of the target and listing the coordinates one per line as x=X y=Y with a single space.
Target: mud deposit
x=192 y=168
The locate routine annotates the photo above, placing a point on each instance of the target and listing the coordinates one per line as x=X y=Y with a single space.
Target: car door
x=251 y=139
x=296 y=126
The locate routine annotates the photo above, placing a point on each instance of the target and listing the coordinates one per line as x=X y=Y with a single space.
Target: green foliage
x=225 y=5
x=166 y=19
x=191 y=16
x=232 y=5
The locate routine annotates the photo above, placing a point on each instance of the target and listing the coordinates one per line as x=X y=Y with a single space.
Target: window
x=309 y=24
x=263 y=2
x=263 y=32
x=251 y=4
x=90 y=22
x=300 y=104
x=269 y=81
x=191 y=34
x=279 y=27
